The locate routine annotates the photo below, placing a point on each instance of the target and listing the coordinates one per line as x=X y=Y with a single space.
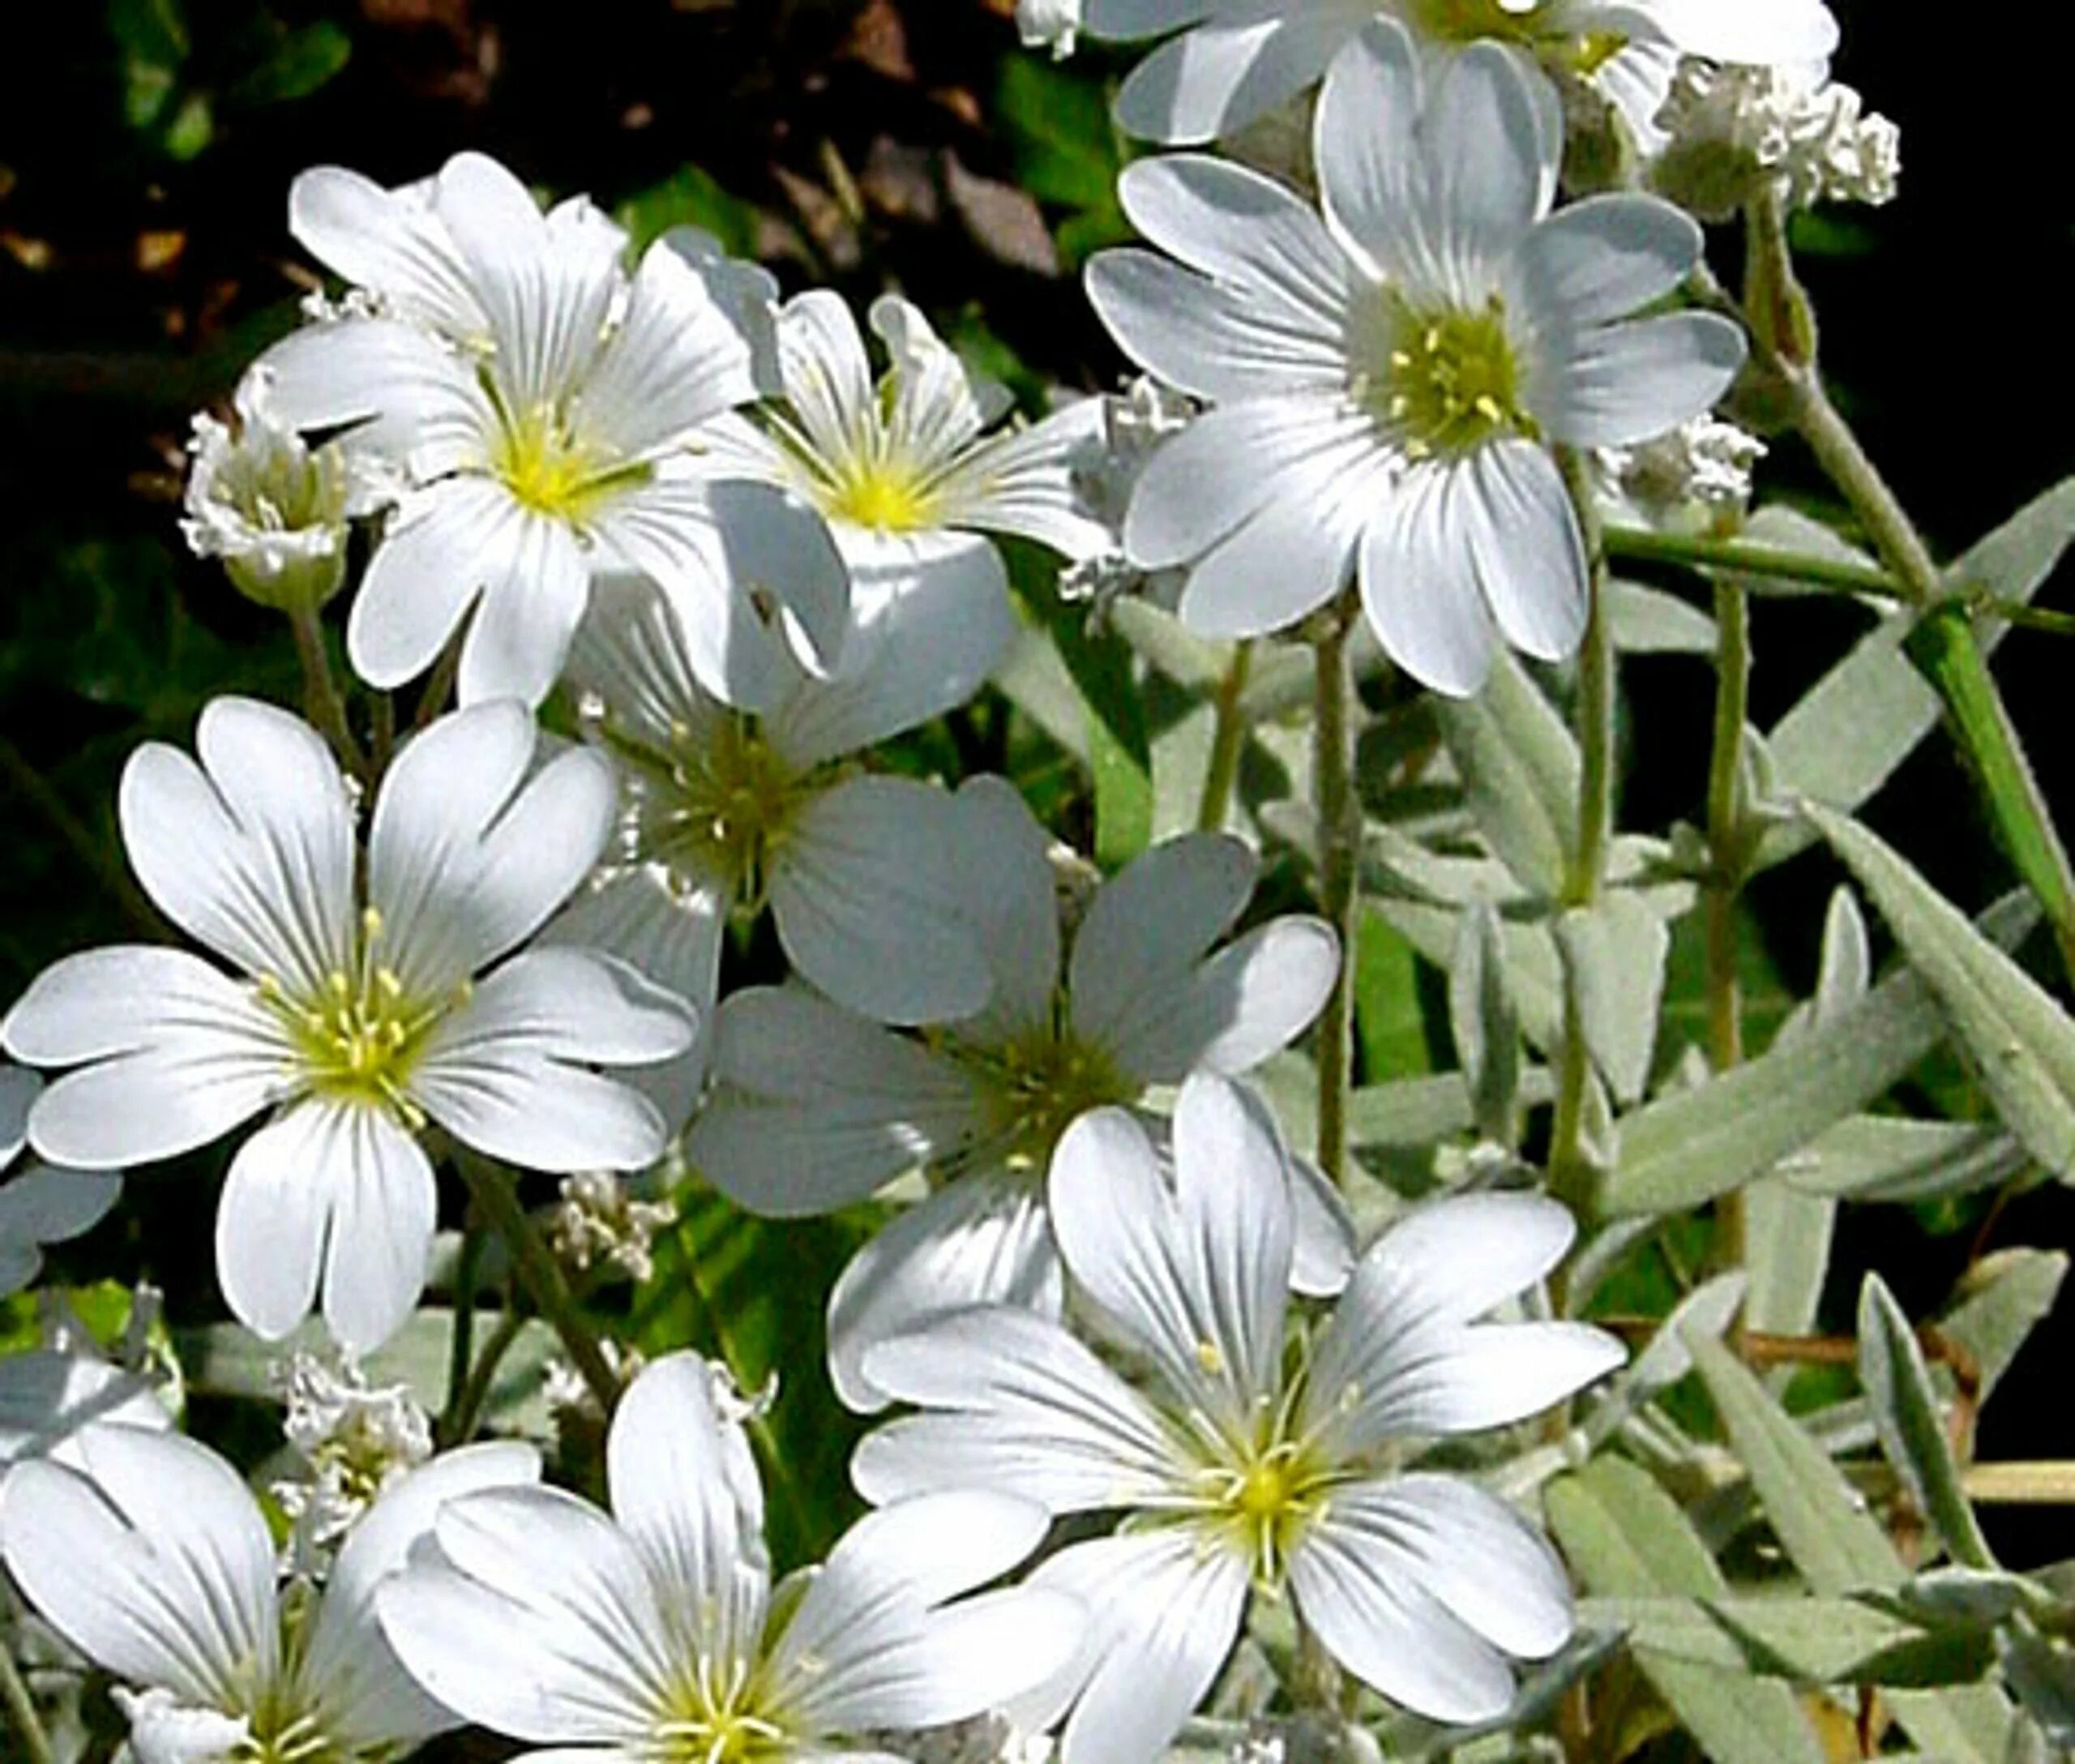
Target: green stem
x=324 y=704
x=1228 y=743
x=1340 y=847
x=1638 y=544
x=1727 y=859
x=459 y=1425
x=490 y=1186
x=21 y=1709
x=40 y=794
x=461 y=1350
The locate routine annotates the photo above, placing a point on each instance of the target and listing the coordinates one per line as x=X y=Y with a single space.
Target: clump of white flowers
x=1733 y=131
x=355 y=1439
x=600 y=1219
x=1693 y=476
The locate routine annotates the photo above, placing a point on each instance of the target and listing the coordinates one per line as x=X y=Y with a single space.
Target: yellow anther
x=1208 y=1357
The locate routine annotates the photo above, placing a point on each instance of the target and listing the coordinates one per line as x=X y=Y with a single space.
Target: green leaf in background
x=295 y=61
x=1388 y=1019
x=154 y=44
x=2021 y=1042
x=1629 y=1539
x=1912 y=1431
x=1065 y=150
x=690 y=197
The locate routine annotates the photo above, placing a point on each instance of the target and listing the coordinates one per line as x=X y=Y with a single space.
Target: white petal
x=1370 y=1608
x=814 y=1108
x=1419 y=587
x=1454 y=1259
x=916 y=652
x=1285 y=563
x=520 y=637
x=1490 y=160
x=48 y=1398
x=444 y=544
x=1369 y=166
x=1027 y=483
x=18 y=1090
x=1247 y=1002
x=1242 y=229
x=1759 y=33
x=535 y=1618
x=369 y=1698
x=684 y=1486
x=866 y=891
x=1626 y=383
x=154 y=1562
x=933 y=403
x=1014 y=1403
x=1216 y=79
x=1012 y=898
x=405 y=401
x=183 y=1055
x=253 y=855
x=463 y=864
x=1323 y=1250
x=383 y=1205
x=1150 y=924
x=1600 y=259
x=828 y=381
x=1531 y=556
x=388 y=241
x=1163 y=1614
x=982 y=1239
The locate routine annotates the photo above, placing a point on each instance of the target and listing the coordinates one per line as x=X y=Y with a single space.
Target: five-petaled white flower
x=655 y=1636
x=39 y=1205
x=1253 y=1456
x=724 y=811
x=540 y=405
x=357 y=1015
x=813 y=1108
x=907 y=471
x=1230 y=62
x=152 y=1557
x=1388 y=381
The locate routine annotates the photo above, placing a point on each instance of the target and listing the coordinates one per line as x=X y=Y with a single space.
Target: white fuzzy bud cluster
x=163 y=1730
x=1134 y=423
x=1735 y=130
x=600 y=1221
x=1053 y=25
x=1684 y=480
x=271 y=507
x=356 y=1438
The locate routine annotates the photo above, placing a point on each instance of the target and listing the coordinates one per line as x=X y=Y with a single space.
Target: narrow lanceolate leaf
x=1944 y=648
x=1627 y=1540
x=1421 y=1111
x=1520 y=771
x=1808 y=1641
x=1615 y=952
x=1897 y=1384
x=1487 y=1027
x=1844 y=739
x=1839 y=1546
x=1789 y=1235
x=1691 y=1146
x=2008 y=1294
x=2021 y=1042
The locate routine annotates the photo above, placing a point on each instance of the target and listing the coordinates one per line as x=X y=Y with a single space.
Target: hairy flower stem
x=461 y=1349
x=324 y=705
x=21 y=1711
x=1228 y=742
x=1570 y=1170
x=457 y=1427
x=1340 y=845
x=491 y=1187
x=1727 y=861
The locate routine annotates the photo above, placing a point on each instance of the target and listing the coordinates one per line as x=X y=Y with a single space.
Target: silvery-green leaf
x=2021 y=1042
x=2043 y=1676
x=1891 y=1158
x=1647 y=621
x=2029 y=1744
x=1787 y=1236
x=1181 y=762
x=1486 y=1026
x=1424 y=1111
x=1981 y=1597
x=1687 y=1148
x=1845 y=975
x=1626 y=1538
x=2008 y=1293
x=1035 y=679
x=1615 y=953
x=1840 y=1548
x=1162 y=639
x=1534 y=972
x=1519 y=766
x=1808 y=1641
x=1708 y=1309
x=1394 y=864
x=1844 y=740
x=1906 y=1414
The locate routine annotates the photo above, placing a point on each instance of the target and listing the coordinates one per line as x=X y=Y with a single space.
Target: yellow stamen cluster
x=729 y=804
x=1448 y=382
x=358 y=1038
x=886 y=495
x=713 y=1718
x=301 y=1741
x=1263 y=1501
x=1469 y=21
x=546 y=465
x=1042 y=1082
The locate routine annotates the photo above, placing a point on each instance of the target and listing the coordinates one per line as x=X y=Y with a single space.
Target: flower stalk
x=1228 y=741
x=324 y=704
x=21 y=1711
x=1340 y=844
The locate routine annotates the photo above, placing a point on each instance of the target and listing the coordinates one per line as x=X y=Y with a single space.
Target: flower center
x=732 y=800
x=1447 y=381
x=551 y=470
x=297 y=1741
x=1042 y=1083
x=357 y=1039
x=1263 y=1502
x=1469 y=21
x=887 y=496
x=713 y=1719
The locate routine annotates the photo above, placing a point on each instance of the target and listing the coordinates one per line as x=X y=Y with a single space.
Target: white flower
x=540 y=404
x=1232 y=61
x=1732 y=132
x=1388 y=381
x=1134 y=424
x=153 y=1560
x=39 y=1205
x=357 y=1439
x=356 y=1015
x=1051 y=24
x=656 y=1634
x=814 y=1108
x=1251 y=1458
x=906 y=471
x=48 y=1398
x=600 y=1219
x=1687 y=478
x=723 y=811
x=273 y=509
